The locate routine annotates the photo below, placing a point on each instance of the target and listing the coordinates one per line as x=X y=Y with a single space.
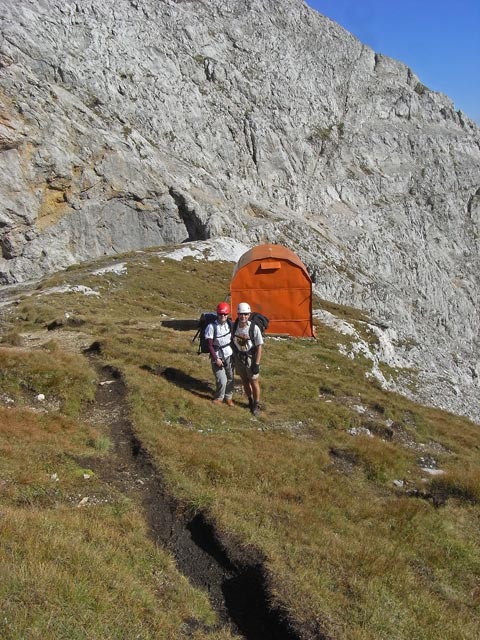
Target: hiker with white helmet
x=219 y=337
x=247 y=348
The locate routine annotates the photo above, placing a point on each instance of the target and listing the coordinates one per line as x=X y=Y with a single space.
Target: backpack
x=260 y=320
x=205 y=319
x=256 y=319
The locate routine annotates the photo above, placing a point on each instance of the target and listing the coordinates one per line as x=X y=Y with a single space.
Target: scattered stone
x=432 y=472
x=119 y=268
x=359 y=408
x=427 y=462
x=360 y=431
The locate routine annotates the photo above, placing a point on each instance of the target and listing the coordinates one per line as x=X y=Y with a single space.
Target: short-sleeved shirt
x=242 y=341
x=221 y=336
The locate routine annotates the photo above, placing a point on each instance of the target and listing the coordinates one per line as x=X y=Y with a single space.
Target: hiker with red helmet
x=219 y=336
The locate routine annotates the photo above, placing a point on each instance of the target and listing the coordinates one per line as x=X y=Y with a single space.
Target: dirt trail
x=236 y=585
x=235 y=580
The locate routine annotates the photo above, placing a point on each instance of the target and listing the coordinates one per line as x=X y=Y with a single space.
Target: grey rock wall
x=137 y=123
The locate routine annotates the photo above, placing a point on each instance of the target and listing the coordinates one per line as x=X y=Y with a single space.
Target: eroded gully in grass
x=235 y=580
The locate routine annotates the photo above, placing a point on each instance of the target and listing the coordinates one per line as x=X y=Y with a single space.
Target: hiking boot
x=217 y=401
x=256 y=409
x=229 y=402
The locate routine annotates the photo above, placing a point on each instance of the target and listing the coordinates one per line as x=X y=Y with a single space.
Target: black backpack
x=205 y=319
x=260 y=320
x=256 y=319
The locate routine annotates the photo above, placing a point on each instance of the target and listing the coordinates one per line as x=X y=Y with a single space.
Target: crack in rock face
x=206 y=128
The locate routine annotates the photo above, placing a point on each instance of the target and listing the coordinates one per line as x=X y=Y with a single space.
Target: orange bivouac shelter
x=275 y=282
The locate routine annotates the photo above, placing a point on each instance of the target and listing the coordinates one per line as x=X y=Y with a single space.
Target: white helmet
x=244 y=307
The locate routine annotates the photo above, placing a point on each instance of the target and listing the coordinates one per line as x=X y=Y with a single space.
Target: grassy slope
x=342 y=543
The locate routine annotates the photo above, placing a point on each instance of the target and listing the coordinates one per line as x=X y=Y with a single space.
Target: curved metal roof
x=276 y=251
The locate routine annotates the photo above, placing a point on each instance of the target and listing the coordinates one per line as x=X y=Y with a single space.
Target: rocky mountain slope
x=137 y=123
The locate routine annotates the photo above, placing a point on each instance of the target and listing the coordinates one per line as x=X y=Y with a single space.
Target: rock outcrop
x=137 y=123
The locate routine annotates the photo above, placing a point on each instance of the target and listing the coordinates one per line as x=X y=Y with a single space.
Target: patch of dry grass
x=61 y=377
x=76 y=573
x=72 y=571
x=305 y=484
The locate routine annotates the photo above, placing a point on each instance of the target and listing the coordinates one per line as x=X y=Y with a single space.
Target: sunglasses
x=222 y=314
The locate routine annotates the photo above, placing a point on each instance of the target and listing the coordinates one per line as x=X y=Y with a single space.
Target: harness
x=216 y=337
x=244 y=356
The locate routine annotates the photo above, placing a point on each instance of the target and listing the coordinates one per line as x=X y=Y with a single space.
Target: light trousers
x=223 y=379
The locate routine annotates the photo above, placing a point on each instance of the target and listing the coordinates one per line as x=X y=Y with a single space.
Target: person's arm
x=257 y=355
x=258 y=345
x=210 y=336
x=213 y=354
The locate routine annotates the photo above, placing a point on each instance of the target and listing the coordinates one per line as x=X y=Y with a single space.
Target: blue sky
x=438 y=39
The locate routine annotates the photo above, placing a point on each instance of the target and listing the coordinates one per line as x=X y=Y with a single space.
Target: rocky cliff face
x=136 y=123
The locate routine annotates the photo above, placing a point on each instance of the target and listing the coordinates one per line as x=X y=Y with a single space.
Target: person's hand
x=219 y=363
x=255 y=369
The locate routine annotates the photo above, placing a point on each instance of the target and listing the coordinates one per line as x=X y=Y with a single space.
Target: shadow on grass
x=180 y=325
x=183 y=380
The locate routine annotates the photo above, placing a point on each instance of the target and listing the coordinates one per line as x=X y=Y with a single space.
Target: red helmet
x=223 y=307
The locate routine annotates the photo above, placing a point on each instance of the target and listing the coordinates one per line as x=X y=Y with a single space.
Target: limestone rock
x=138 y=123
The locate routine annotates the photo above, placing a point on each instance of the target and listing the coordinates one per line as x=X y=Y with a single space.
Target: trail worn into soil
x=236 y=582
